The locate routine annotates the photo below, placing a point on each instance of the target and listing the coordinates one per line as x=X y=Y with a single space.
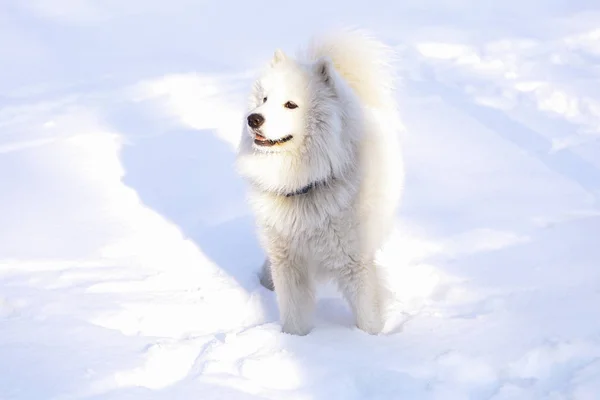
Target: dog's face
x=294 y=124
x=279 y=103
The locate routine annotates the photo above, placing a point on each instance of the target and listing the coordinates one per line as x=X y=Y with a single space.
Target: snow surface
x=128 y=256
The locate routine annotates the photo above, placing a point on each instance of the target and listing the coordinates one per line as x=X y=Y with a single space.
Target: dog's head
x=294 y=125
x=279 y=106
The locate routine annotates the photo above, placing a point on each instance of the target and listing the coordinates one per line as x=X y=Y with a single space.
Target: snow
x=128 y=255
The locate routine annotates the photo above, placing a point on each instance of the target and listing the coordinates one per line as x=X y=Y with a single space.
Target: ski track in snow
x=128 y=257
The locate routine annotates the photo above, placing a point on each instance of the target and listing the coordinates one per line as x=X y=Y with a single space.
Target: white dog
x=321 y=151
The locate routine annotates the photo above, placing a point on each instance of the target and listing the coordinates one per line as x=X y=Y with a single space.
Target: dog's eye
x=290 y=105
x=264 y=100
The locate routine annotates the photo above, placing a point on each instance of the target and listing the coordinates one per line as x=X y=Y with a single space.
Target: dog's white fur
x=346 y=141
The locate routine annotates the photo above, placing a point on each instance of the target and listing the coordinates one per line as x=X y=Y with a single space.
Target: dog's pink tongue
x=260 y=137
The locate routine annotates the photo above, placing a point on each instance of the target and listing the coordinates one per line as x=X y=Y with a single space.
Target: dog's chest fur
x=320 y=227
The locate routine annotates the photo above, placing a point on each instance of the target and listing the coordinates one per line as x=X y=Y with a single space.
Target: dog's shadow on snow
x=188 y=177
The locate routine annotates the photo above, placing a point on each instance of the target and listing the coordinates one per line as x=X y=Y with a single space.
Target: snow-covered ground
x=128 y=257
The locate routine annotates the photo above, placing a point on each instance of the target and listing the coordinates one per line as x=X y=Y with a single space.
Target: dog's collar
x=303 y=190
x=306 y=188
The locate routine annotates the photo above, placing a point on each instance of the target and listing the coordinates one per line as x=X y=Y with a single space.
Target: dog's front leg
x=361 y=288
x=294 y=288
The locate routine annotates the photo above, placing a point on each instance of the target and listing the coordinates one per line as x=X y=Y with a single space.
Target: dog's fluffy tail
x=362 y=61
x=365 y=64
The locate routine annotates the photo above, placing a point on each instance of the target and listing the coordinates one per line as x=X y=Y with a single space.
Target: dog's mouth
x=260 y=140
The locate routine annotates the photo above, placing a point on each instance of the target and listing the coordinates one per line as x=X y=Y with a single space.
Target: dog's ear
x=278 y=57
x=323 y=67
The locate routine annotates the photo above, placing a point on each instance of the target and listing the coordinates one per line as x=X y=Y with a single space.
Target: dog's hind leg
x=266 y=277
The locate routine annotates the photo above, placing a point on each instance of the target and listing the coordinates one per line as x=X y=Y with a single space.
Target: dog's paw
x=266 y=277
x=372 y=327
x=296 y=330
x=267 y=282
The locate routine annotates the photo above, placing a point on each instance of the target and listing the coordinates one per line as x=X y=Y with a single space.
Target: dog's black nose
x=255 y=120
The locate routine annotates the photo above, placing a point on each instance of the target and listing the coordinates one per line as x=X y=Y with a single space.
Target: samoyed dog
x=321 y=152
